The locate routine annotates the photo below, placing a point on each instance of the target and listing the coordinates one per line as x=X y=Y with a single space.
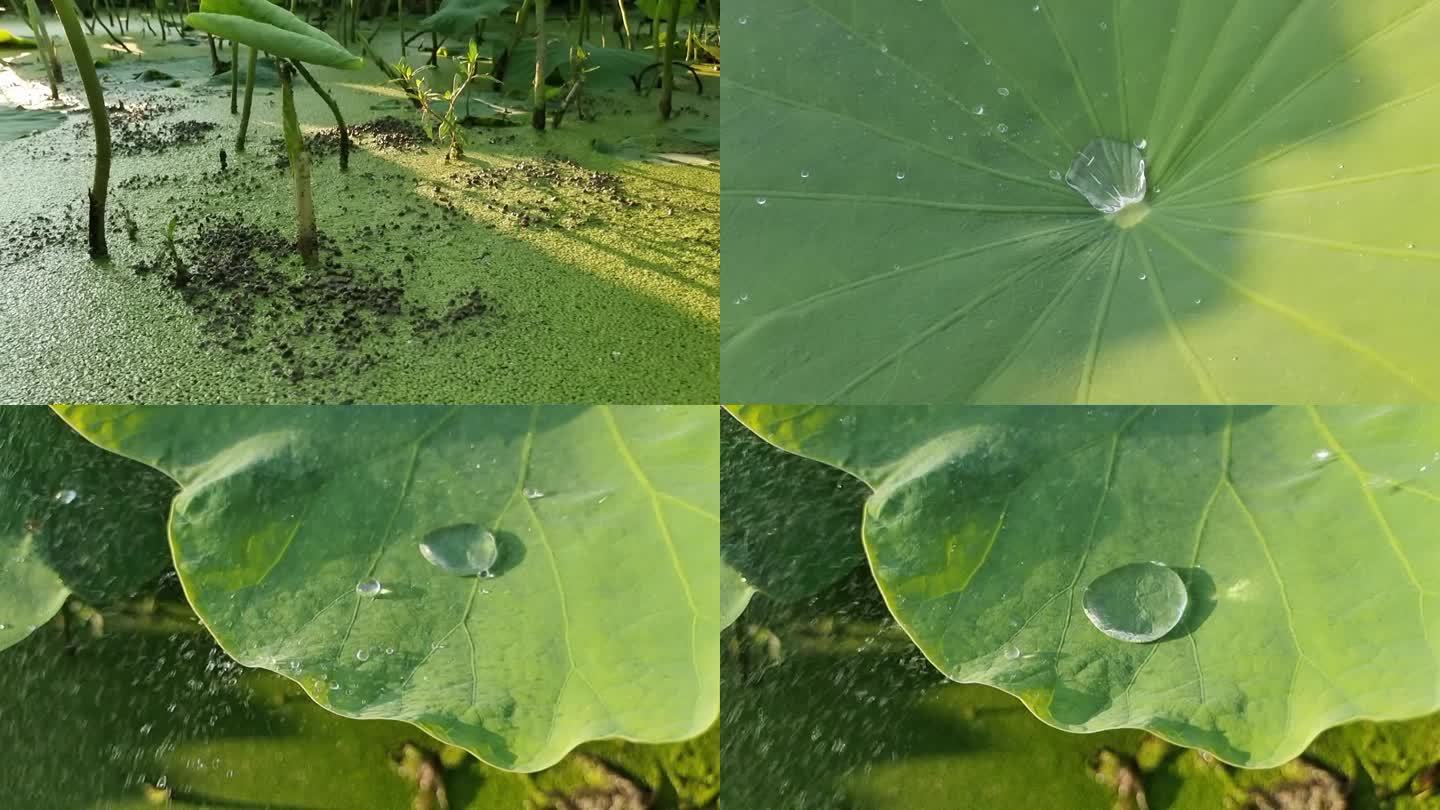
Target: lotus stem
x=249 y=94
x=46 y=47
x=625 y=24
x=537 y=102
x=334 y=109
x=95 y=97
x=234 y=75
x=305 y=238
x=667 y=65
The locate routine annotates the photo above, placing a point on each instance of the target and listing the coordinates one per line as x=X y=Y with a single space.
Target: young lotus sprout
x=264 y=26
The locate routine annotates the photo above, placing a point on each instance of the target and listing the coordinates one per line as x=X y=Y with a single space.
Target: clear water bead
x=369 y=587
x=463 y=550
x=1138 y=603
x=1109 y=174
x=66 y=497
x=362 y=654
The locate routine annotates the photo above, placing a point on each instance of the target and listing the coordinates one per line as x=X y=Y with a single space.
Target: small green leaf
x=266 y=26
x=601 y=619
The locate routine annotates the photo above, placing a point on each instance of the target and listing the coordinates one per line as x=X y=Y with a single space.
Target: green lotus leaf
x=911 y=222
x=298 y=530
x=268 y=27
x=73 y=519
x=458 y=18
x=735 y=594
x=1305 y=540
x=660 y=9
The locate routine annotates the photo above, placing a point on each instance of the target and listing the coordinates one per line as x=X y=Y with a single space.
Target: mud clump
x=1309 y=787
x=253 y=294
x=552 y=191
x=387 y=132
x=138 y=127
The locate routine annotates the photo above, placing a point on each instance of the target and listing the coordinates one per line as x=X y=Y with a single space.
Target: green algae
x=618 y=304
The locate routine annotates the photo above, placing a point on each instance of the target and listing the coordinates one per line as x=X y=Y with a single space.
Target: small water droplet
x=464 y=550
x=1138 y=603
x=1002 y=129
x=1143 y=276
x=362 y=654
x=1004 y=91
x=761 y=200
x=900 y=175
x=1410 y=245
x=804 y=173
x=532 y=493
x=743 y=20
x=3 y=626
x=1141 y=144
x=389 y=650
x=1055 y=175
x=369 y=587
x=980 y=109
x=66 y=496
x=884 y=49
x=1323 y=456
x=1012 y=652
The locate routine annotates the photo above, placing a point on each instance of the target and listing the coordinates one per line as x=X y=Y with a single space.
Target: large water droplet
x=1109 y=174
x=1139 y=602
x=369 y=587
x=464 y=550
x=66 y=496
x=362 y=654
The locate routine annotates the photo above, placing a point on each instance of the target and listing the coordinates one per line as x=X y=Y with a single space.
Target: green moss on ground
x=590 y=262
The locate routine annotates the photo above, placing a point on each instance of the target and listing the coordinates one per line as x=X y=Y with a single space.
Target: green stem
x=46 y=47
x=95 y=97
x=334 y=109
x=305 y=238
x=234 y=75
x=502 y=64
x=625 y=23
x=537 y=101
x=667 y=60
x=249 y=94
